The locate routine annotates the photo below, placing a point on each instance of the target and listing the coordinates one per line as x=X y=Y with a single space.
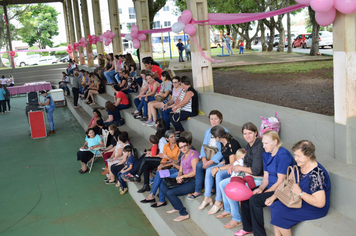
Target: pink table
x=29 y=88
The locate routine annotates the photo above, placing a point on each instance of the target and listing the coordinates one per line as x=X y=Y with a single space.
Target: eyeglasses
x=183 y=146
x=175 y=82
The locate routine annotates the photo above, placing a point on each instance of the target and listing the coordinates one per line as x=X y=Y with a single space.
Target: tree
x=39 y=25
x=314 y=50
x=13 y=12
x=153 y=7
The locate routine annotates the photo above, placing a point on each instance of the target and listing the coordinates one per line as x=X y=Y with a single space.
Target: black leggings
x=8 y=104
x=2 y=106
x=149 y=163
x=115 y=169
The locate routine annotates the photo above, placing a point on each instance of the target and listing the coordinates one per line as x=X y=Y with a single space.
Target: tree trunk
x=272 y=26
x=263 y=39
x=244 y=33
x=281 y=31
x=289 y=34
x=234 y=36
x=315 y=33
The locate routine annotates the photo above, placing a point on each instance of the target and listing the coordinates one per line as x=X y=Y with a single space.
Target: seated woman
x=113 y=137
x=123 y=80
x=97 y=88
x=166 y=108
x=109 y=70
x=186 y=172
x=114 y=116
x=187 y=103
x=130 y=65
x=313 y=189
x=94 y=119
x=153 y=88
x=116 y=161
x=143 y=90
x=173 y=173
x=169 y=154
x=142 y=80
x=92 y=141
x=166 y=88
x=121 y=101
x=64 y=81
x=154 y=67
x=276 y=160
x=229 y=147
x=252 y=166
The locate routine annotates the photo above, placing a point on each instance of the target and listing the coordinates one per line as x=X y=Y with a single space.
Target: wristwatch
x=301 y=194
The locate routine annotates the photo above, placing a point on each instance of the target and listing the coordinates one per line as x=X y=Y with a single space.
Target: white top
x=239 y=162
x=161 y=144
x=212 y=142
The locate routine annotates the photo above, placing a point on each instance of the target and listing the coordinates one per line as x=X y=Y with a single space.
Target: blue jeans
x=241 y=50
x=108 y=76
x=145 y=105
x=133 y=74
x=70 y=71
x=139 y=103
x=50 y=119
x=174 y=193
x=200 y=175
x=228 y=45
x=182 y=116
x=119 y=178
x=209 y=181
x=165 y=116
x=122 y=106
x=181 y=56
x=157 y=182
x=117 y=78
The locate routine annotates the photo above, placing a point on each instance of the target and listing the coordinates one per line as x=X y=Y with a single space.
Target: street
x=326 y=51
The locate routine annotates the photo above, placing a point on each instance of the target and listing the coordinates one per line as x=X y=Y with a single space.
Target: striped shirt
x=192 y=105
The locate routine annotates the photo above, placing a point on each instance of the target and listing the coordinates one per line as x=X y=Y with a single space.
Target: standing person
x=228 y=40
x=75 y=88
x=7 y=97
x=241 y=47
x=49 y=106
x=180 y=47
x=187 y=48
x=110 y=68
x=2 y=100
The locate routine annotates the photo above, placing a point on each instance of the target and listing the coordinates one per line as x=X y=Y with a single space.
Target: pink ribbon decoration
x=12 y=55
x=76 y=46
x=202 y=53
x=5 y=20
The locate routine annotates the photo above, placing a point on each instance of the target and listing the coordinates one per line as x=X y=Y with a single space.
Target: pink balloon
x=134 y=34
x=141 y=37
x=345 y=6
x=325 y=18
x=100 y=38
x=303 y=2
x=134 y=28
x=136 y=43
x=321 y=5
x=180 y=19
x=190 y=29
x=112 y=35
x=186 y=16
x=237 y=191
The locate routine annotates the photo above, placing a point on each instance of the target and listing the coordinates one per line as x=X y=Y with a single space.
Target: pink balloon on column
x=112 y=35
x=345 y=6
x=136 y=43
x=321 y=5
x=186 y=16
x=237 y=191
x=141 y=37
x=325 y=18
x=303 y=2
x=190 y=29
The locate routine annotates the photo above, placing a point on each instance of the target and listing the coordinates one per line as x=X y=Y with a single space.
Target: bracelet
x=301 y=194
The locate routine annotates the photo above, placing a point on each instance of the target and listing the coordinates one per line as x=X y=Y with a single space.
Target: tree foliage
x=153 y=7
x=39 y=25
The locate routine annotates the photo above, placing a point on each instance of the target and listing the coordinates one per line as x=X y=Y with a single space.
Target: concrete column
x=66 y=21
x=115 y=26
x=84 y=8
x=72 y=28
x=143 y=23
x=79 y=30
x=201 y=68
x=97 y=25
x=344 y=30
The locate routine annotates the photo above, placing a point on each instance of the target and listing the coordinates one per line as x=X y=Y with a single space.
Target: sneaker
x=147 y=122
x=151 y=123
x=242 y=232
x=151 y=181
x=123 y=191
x=127 y=177
x=108 y=182
x=106 y=179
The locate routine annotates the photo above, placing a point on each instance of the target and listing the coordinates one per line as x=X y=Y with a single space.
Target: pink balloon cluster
x=69 y=49
x=92 y=39
x=184 y=23
x=108 y=35
x=135 y=36
x=82 y=42
x=76 y=46
x=326 y=9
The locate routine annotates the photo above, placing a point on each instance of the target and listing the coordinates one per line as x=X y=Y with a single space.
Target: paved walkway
x=42 y=192
x=250 y=58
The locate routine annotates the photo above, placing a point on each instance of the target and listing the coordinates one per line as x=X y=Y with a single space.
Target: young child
x=187 y=48
x=129 y=165
x=241 y=47
x=241 y=176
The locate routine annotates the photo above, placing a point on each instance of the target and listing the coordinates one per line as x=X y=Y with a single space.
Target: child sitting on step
x=129 y=165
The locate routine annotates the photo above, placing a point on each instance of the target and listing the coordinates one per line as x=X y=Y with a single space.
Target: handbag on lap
x=209 y=151
x=284 y=190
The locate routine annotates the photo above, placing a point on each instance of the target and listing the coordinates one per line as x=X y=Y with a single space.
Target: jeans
x=70 y=71
x=134 y=74
x=75 y=92
x=209 y=181
x=182 y=116
x=139 y=103
x=112 y=122
x=145 y=105
x=165 y=116
x=157 y=182
x=228 y=45
x=181 y=56
x=174 y=193
x=117 y=78
x=122 y=106
x=108 y=76
x=189 y=57
x=50 y=119
x=119 y=178
x=2 y=106
x=241 y=50
x=200 y=175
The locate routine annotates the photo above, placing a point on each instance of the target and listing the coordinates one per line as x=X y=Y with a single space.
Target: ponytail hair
x=219 y=132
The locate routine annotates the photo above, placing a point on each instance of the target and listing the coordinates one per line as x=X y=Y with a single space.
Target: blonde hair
x=274 y=136
x=240 y=152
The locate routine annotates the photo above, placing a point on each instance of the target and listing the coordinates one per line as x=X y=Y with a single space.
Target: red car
x=299 y=41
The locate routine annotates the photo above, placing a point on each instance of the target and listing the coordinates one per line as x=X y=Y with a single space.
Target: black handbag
x=172 y=183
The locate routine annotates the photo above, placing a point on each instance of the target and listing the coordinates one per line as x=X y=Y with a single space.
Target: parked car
x=299 y=41
x=45 y=61
x=28 y=60
x=64 y=59
x=325 y=39
x=276 y=40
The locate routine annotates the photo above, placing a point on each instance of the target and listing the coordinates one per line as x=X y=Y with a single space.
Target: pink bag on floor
x=271 y=123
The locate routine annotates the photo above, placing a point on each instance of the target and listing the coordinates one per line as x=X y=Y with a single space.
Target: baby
x=239 y=176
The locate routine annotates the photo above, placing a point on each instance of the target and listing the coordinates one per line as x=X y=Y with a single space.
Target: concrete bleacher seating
x=341 y=219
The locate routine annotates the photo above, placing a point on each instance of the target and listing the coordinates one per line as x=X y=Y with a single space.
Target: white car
x=325 y=39
x=45 y=61
x=276 y=40
x=28 y=60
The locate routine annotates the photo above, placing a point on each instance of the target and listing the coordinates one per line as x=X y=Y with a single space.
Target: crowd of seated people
x=174 y=168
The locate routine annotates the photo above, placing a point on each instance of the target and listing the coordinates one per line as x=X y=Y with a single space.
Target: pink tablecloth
x=29 y=88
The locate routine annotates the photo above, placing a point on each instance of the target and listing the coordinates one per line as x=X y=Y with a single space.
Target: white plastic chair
x=98 y=152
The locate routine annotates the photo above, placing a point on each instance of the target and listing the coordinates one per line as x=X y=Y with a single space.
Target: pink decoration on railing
x=76 y=46
x=325 y=18
x=108 y=35
x=83 y=43
x=321 y=5
x=12 y=55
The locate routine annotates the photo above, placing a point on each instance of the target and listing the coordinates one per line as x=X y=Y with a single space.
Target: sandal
x=144 y=118
x=232 y=225
x=118 y=184
x=138 y=117
x=222 y=215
